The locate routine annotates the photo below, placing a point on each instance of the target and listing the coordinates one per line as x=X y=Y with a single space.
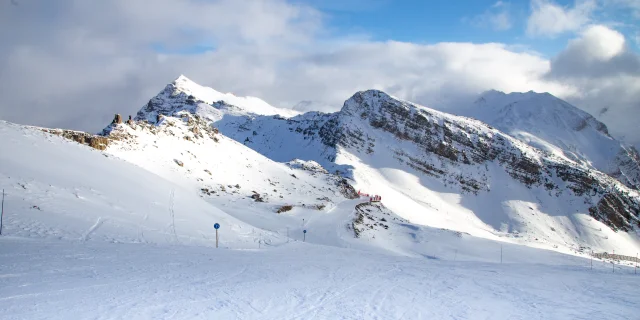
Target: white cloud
x=599 y=43
x=605 y=73
x=497 y=17
x=73 y=63
x=550 y=19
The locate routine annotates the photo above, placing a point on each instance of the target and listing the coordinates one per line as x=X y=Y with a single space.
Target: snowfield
x=127 y=232
x=48 y=279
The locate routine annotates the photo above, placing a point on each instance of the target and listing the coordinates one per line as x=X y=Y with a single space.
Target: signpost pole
x=216 y=226
x=304 y=235
x=2 y=212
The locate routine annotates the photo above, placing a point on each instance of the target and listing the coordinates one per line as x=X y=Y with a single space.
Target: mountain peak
x=186 y=85
x=183 y=94
x=182 y=78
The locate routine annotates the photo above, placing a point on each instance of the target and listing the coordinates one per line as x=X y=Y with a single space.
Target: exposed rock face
x=372 y=217
x=94 y=141
x=628 y=167
x=465 y=142
x=618 y=211
x=117 y=119
x=346 y=189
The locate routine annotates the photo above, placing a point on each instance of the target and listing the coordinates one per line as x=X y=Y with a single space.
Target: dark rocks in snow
x=370 y=217
x=346 y=189
x=94 y=141
x=284 y=208
x=207 y=191
x=617 y=211
x=257 y=197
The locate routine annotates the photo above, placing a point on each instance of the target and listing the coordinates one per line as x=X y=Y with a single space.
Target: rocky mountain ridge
x=449 y=148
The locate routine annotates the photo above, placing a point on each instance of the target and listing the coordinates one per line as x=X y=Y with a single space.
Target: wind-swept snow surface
x=62 y=280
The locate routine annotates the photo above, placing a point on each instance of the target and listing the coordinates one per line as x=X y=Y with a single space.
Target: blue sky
x=436 y=21
x=433 y=21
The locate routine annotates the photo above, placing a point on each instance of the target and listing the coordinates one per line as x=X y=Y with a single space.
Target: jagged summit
x=184 y=94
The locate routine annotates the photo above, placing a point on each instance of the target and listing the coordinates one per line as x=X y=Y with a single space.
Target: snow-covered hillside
x=63 y=190
x=120 y=225
x=555 y=126
x=436 y=169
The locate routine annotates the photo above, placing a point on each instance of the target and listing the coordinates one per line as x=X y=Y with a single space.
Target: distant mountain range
x=527 y=168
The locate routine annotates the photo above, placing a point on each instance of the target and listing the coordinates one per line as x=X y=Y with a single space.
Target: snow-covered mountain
x=555 y=126
x=430 y=168
x=120 y=224
x=188 y=95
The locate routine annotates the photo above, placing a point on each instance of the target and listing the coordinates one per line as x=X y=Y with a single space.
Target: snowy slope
x=472 y=178
x=555 y=126
x=63 y=190
x=61 y=280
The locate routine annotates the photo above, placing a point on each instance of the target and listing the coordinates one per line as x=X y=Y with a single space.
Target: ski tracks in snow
x=93 y=228
x=328 y=298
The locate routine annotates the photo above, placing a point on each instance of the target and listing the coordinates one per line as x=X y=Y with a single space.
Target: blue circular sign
x=217 y=226
x=304 y=231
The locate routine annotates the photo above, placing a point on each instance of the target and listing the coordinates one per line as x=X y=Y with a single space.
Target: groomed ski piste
x=127 y=233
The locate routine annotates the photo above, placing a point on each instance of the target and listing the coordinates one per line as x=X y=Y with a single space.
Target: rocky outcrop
x=346 y=189
x=618 y=211
x=94 y=141
x=372 y=217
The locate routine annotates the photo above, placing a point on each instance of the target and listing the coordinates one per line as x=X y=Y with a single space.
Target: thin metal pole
x=500 y=254
x=216 y=238
x=635 y=270
x=2 y=212
x=591 y=260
